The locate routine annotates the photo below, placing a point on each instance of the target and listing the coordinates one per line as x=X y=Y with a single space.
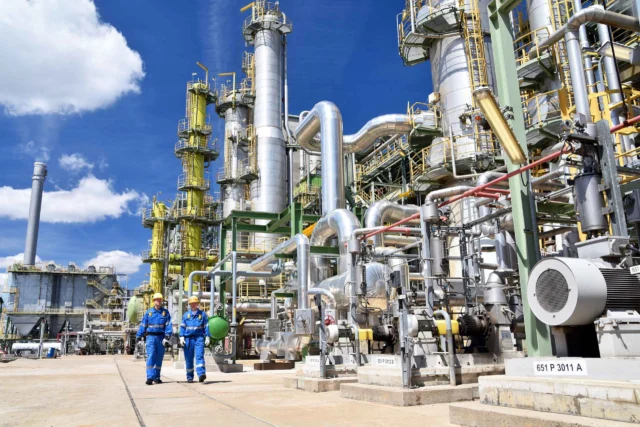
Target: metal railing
x=543 y=107
x=244 y=172
x=201 y=214
x=390 y=152
x=530 y=42
x=188 y=180
x=261 y=9
x=50 y=311
x=251 y=287
x=185 y=126
x=199 y=144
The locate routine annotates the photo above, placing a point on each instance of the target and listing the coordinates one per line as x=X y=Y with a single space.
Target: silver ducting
x=383 y=211
x=325 y=118
x=340 y=222
x=376 y=276
x=37 y=186
x=300 y=244
x=574 y=291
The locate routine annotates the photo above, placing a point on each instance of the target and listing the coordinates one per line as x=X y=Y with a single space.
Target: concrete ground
x=110 y=390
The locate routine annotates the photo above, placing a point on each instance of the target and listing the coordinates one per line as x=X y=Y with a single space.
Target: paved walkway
x=108 y=391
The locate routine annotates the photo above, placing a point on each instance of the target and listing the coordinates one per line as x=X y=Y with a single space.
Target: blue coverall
x=156 y=325
x=194 y=328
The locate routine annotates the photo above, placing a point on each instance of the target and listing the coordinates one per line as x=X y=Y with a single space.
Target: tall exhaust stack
x=37 y=185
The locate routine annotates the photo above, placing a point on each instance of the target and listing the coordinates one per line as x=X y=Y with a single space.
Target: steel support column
x=538 y=334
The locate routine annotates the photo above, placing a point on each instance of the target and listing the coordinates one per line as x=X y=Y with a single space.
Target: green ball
x=218 y=328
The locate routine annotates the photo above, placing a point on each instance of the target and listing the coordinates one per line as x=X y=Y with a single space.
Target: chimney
x=37 y=185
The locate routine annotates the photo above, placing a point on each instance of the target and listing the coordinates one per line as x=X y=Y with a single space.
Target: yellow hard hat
x=157 y=295
x=194 y=299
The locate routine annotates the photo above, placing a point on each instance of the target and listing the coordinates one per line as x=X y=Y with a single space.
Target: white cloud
x=12 y=259
x=74 y=162
x=124 y=262
x=63 y=58
x=91 y=200
x=40 y=153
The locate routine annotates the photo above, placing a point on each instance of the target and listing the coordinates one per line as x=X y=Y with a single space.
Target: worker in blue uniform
x=194 y=337
x=156 y=327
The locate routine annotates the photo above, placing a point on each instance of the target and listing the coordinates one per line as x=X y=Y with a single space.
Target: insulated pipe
x=37 y=185
x=331 y=303
x=487 y=229
x=325 y=117
x=613 y=84
x=384 y=211
x=625 y=124
x=300 y=244
x=591 y=14
x=451 y=348
x=584 y=44
x=426 y=263
x=363 y=140
x=205 y=273
x=238 y=274
x=340 y=222
x=449 y=192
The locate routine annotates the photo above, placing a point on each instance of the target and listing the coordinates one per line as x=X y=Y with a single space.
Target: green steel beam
x=250 y=215
x=324 y=250
x=538 y=333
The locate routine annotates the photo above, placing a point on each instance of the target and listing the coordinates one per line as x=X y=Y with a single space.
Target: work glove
x=207 y=341
x=139 y=339
x=166 y=342
x=182 y=341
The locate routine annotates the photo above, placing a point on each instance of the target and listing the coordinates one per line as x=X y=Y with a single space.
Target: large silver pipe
x=447 y=192
x=330 y=298
x=595 y=14
x=584 y=44
x=340 y=222
x=325 y=117
x=578 y=82
x=383 y=211
x=613 y=84
x=300 y=244
x=37 y=186
x=487 y=229
x=375 y=128
x=253 y=307
x=363 y=140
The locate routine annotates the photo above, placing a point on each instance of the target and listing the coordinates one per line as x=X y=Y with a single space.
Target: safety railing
x=48 y=310
x=544 y=107
x=244 y=172
x=529 y=42
x=474 y=43
x=212 y=199
x=185 y=127
x=263 y=9
x=191 y=181
x=196 y=144
x=197 y=214
x=253 y=288
x=390 y=152
x=198 y=85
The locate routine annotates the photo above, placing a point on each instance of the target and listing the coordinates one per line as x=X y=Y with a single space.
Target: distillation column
x=238 y=169
x=265 y=29
x=156 y=218
x=37 y=186
x=196 y=153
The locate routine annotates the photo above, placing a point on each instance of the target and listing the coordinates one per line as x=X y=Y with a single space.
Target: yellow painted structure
x=194 y=132
x=156 y=273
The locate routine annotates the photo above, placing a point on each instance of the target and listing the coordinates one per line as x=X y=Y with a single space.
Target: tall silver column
x=236 y=157
x=269 y=192
x=37 y=185
x=265 y=29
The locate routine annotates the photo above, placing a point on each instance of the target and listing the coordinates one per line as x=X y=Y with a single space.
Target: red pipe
x=499 y=190
x=487 y=194
x=625 y=124
x=518 y=171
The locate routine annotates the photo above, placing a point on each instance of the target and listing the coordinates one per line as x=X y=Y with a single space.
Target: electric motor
x=473 y=325
x=573 y=291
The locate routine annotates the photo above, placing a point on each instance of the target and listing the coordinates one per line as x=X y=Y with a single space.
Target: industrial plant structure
x=496 y=218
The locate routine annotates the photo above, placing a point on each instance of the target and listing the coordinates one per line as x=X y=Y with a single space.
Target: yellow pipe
x=442 y=327
x=247 y=7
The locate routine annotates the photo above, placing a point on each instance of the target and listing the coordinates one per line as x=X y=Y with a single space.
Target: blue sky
x=118 y=133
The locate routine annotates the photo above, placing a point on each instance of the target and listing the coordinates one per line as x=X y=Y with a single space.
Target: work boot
x=157 y=381
x=190 y=380
x=149 y=382
x=201 y=378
